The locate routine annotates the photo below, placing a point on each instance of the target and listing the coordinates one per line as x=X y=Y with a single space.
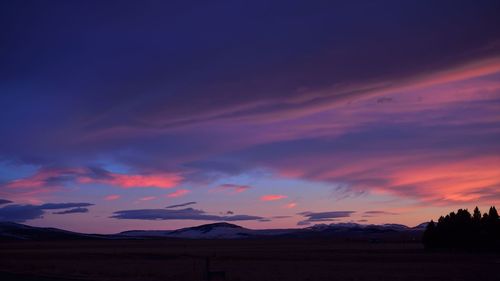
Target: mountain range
x=223 y=230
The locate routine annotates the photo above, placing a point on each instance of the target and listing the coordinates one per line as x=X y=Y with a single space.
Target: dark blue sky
x=321 y=106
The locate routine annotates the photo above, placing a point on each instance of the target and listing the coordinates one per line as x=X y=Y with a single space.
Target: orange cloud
x=272 y=197
x=470 y=180
x=178 y=193
x=290 y=205
x=431 y=179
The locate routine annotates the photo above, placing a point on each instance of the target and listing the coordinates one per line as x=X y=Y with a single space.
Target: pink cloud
x=430 y=178
x=49 y=180
x=272 y=197
x=178 y=193
x=112 y=197
x=133 y=181
x=433 y=156
x=471 y=180
x=32 y=189
x=147 y=198
x=54 y=177
x=232 y=188
x=316 y=102
x=44 y=178
x=290 y=205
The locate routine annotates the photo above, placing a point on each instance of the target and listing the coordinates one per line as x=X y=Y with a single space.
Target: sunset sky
x=119 y=115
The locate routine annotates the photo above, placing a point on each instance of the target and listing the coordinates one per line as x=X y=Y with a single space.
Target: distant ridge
x=17 y=231
x=209 y=227
x=224 y=230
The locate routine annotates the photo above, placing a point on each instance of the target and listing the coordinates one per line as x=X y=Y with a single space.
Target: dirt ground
x=240 y=260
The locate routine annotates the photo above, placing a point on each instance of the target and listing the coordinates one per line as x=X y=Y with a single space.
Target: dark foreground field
x=253 y=260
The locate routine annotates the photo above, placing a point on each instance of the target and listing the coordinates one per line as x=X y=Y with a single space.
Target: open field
x=273 y=259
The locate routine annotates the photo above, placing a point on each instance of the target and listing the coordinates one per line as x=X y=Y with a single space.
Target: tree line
x=464 y=230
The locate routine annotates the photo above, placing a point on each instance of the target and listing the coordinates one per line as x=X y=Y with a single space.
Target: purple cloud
x=4 y=201
x=55 y=206
x=72 y=211
x=178 y=214
x=378 y=213
x=313 y=217
x=180 y=205
x=22 y=213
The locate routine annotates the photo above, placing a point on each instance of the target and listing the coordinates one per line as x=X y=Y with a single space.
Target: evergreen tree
x=463 y=230
x=493 y=214
x=484 y=219
x=476 y=217
x=429 y=237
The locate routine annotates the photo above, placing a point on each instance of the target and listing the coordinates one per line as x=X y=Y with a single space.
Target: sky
x=120 y=115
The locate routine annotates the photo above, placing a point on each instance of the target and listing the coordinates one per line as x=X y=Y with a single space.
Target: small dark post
x=207 y=269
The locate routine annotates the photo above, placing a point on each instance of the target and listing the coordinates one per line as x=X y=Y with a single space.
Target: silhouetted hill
x=389 y=232
x=16 y=231
x=223 y=230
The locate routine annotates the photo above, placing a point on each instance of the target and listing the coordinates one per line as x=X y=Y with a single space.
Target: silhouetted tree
x=463 y=230
x=429 y=234
x=476 y=217
x=484 y=219
x=493 y=214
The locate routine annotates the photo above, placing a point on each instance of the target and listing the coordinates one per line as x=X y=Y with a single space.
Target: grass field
x=243 y=260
